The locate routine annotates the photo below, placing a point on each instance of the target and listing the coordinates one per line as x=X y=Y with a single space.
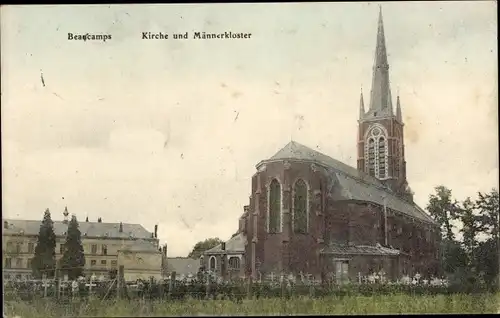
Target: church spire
x=399 y=117
x=361 y=106
x=380 y=99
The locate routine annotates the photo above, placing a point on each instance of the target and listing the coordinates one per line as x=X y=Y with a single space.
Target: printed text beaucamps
x=89 y=37
x=196 y=35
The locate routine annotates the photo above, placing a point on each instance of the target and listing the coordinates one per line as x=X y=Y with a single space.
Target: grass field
x=395 y=304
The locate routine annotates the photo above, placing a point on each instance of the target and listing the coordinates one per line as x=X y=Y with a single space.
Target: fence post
x=44 y=284
x=58 y=283
x=171 y=284
x=120 y=281
x=249 y=287
x=208 y=286
x=282 y=285
x=161 y=287
x=92 y=277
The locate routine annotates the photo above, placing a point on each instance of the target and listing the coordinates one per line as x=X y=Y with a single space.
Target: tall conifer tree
x=73 y=259
x=44 y=260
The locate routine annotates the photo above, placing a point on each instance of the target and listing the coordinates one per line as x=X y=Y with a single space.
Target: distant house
x=233 y=253
x=183 y=267
x=106 y=247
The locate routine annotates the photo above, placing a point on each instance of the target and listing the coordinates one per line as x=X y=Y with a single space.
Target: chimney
x=165 y=249
x=99 y=220
x=65 y=213
x=5 y=224
x=223 y=246
x=156 y=230
x=246 y=208
x=87 y=219
x=121 y=227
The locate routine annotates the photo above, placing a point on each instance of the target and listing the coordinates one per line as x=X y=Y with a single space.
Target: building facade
x=228 y=260
x=106 y=247
x=312 y=214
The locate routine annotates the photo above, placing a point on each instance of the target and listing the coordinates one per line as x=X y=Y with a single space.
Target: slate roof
x=183 y=265
x=377 y=250
x=235 y=244
x=354 y=184
x=140 y=245
x=91 y=229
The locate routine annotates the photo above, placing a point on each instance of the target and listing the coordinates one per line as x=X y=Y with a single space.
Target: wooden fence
x=205 y=287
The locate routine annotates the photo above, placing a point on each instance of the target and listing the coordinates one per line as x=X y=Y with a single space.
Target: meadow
x=377 y=304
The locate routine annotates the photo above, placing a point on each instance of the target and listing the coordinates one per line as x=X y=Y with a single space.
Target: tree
x=202 y=246
x=488 y=206
x=489 y=251
x=44 y=260
x=73 y=259
x=470 y=229
x=443 y=209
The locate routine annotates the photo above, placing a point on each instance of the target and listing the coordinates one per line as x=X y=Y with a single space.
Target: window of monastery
x=30 y=262
x=274 y=222
x=61 y=249
x=103 y=262
x=104 y=250
x=93 y=249
x=19 y=262
x=31 y=248
x=300 y=217
x=93 y=262
x=10 y=247
x=8 y=262
x=114 y=263
x=234 y=262
x=212 y=263
x=18 y=248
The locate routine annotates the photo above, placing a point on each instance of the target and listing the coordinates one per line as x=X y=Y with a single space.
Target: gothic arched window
x=300 y=217
x=398 y=156
x=370 y=152
x=382 y=165
x=376 y=153
x=274 y=221
x=212 y=263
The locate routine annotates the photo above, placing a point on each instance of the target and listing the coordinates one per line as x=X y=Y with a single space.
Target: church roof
x=183 y=265
x=235 y=244
x=349 y=183
x=377 y=250
x=89 y=229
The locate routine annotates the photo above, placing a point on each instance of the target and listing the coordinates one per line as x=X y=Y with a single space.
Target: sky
x=168 y=132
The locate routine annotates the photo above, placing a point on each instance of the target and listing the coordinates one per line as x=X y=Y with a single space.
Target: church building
x=312 y=214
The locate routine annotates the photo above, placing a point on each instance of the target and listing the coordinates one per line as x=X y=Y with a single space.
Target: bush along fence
x=206 y=287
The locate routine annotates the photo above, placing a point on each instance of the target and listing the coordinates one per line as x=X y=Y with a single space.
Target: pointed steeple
x=65 y=213
x=399 y=117
x=380 y=99
x=361 y=106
